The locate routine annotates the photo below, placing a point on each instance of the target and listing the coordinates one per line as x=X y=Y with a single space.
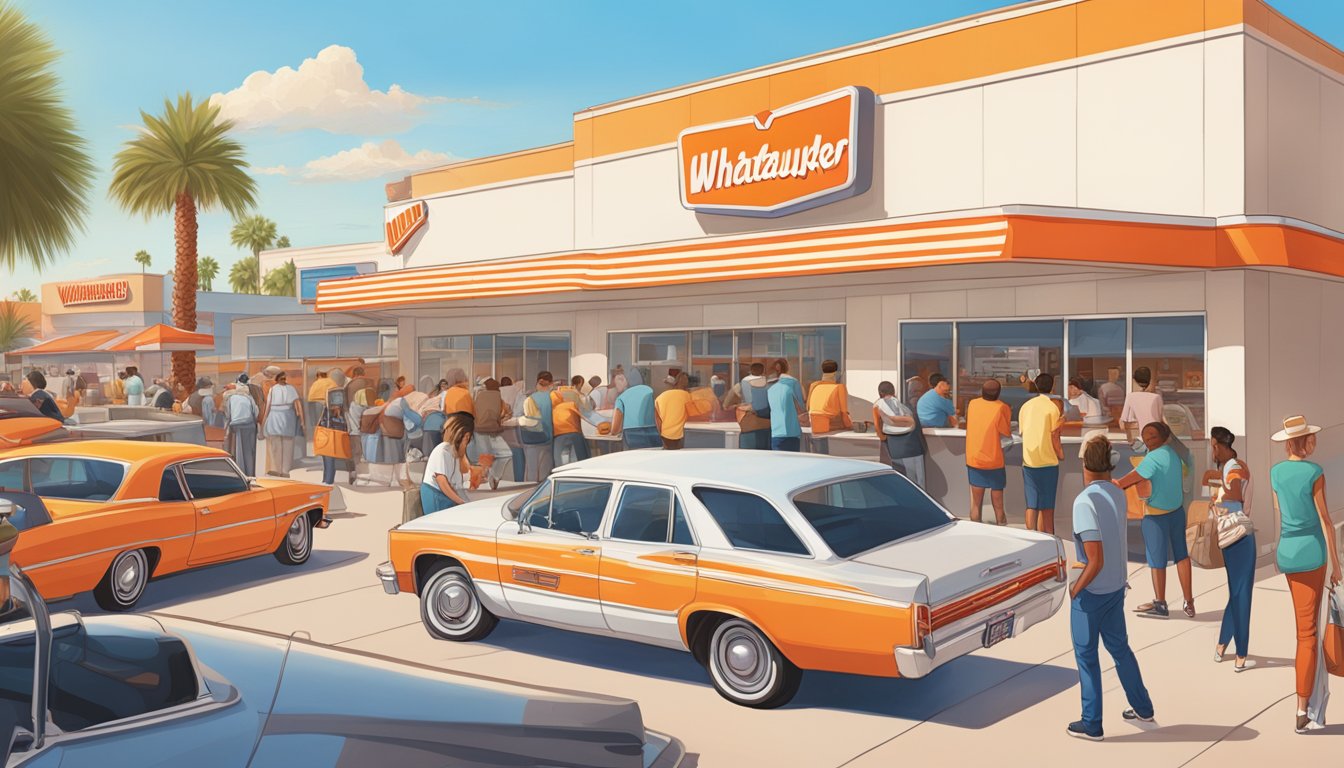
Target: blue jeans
x=328 y=470
x=1103 y=616
x=636 y=438
x=755 y=440
x=1240 y=561
x=518 y=464
x=786 y=444
x=433 y=500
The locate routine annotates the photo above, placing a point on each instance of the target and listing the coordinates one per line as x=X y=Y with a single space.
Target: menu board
x=1005 y=363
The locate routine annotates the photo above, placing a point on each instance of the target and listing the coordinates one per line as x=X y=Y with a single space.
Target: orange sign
x=403 y=222
x=100 y=292
x=775 y=163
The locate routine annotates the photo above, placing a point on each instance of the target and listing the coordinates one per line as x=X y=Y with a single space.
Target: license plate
x=1000 y=628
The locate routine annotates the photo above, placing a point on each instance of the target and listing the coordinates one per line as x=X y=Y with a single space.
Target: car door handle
x=685 y=557
x=586 y=551
x=205 y=510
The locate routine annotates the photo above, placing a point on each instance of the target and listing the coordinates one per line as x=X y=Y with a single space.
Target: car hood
x=964 y=556
x=484 y=515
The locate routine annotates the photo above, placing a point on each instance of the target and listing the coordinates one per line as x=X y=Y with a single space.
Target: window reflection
x=926 y=349
x=1012 y=352
x=1173 y=349
x=1097 y=356
x=518 y=356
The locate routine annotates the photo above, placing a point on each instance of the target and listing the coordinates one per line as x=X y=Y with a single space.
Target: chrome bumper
x=1029 y=609
x=388 y=575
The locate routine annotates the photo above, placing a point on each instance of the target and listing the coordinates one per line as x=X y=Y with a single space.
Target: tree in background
x=23 y=294
x=280 y=282
x=182 y=161
x=207 y=269
x=256 y=233
x=143 y=259
x=15 y=329
x=282 y=242
x=243 y=275
x=43 y=163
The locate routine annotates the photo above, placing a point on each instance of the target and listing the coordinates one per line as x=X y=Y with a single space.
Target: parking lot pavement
x=1007 y=705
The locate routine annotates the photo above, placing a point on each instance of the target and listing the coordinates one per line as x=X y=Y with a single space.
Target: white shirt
x=1142 y=408
x=443 y=461
x=890 y=406
x=1089 y=408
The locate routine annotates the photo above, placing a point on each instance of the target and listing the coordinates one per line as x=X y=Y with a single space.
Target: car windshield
x=73 y=477
x=862 y=513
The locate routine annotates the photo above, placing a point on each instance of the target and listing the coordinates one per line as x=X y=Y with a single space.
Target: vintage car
x=149 y=689
x=760 y=564
x=118 y=513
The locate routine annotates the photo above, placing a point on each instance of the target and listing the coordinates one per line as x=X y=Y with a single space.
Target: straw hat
x=1294 y=426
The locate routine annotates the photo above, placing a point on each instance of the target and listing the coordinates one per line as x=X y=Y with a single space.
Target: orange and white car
x=760 y=564
x=120 y=512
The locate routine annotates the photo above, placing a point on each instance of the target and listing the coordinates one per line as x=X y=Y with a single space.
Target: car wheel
x=747 y=669
x=297 y=545
x=451 y=609
x=124 y=582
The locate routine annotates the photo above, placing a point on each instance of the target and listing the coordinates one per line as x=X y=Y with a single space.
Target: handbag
x=1233 y=527
x=328 y=441
x=411 y=505
x=1332 y=640
x=1202 y=542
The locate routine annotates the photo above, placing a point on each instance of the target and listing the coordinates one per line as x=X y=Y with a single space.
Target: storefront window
x=1173 y=349
x=482 y=358
x=517 y=356
x=441 y=354
x=620 y=354
x=267 y=347
x=926 y=349
x=389 y=345
x=1012 y=352
x=546 y=352
x=357 y=344
x=312 y=345
x=509 y=360
x=1097 y=356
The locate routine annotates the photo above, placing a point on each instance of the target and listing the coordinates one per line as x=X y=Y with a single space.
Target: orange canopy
x=163 y=338
x=87 y=341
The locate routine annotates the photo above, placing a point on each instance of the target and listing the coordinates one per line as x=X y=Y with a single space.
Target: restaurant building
x=1078 y=186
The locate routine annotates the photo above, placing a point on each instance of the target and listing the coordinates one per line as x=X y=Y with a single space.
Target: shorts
x=1040 y=484
x=1164 y=538
x=993 y=479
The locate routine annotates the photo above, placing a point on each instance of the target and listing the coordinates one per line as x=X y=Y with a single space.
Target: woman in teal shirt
x=1306 y=544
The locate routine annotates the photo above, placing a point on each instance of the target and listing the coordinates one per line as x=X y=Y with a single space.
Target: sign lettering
x=403 y=222
x=101 y=292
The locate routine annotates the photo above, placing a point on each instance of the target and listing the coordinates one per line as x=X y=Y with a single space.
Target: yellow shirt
x=671 y=407
x=317 y=393
x=565 y=418
x=1038 y=419
x=458 y=399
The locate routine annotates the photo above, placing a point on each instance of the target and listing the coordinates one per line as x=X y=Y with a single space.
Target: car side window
x=577 y=506
x=11 y=475
x=749 y=521
x=537 y=511
x=642 y=514
x=169 y=487
x=681 y=528
x=74 y=477
x=211 y=478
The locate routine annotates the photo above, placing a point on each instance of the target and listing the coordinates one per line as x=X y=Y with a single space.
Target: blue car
x=152 y=689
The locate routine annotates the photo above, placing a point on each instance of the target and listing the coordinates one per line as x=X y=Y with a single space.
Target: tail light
x=923 y=625
x=1061 y=569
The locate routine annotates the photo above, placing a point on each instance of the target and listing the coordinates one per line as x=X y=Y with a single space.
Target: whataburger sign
x=810 y=153
x=402 y=222
x=101 y=292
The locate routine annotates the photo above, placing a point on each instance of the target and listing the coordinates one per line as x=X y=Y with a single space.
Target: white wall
x=532 y=217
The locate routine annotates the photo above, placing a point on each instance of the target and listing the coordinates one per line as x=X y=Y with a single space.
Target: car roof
x=134 y=451
x=768 y=471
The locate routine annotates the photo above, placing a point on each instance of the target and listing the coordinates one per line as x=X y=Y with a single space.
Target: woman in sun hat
x=1306 y=545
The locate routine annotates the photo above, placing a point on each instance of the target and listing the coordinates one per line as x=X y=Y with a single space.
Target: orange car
x=121 y=512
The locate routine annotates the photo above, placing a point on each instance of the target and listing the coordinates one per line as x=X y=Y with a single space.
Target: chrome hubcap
x=454 y=602
x=742 y=659
x=129 y=575
x=298 y=535
x=455 y=605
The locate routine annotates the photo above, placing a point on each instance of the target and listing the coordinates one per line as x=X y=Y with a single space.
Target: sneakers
x=1245 y=665
x=1133 y=716
x=1080 y=730
x=1154 y=610
x=1303 y=721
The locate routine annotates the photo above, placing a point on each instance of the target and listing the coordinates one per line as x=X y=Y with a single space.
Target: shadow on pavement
x=1188 y=733
x=593 y=651
x=213 y=580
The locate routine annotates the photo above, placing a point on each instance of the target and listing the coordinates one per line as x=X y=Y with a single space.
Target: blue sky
x=479 y=79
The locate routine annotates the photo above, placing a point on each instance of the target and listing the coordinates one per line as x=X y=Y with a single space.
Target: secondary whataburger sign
x=98 y=292
x=810 y=153
x=400 y=223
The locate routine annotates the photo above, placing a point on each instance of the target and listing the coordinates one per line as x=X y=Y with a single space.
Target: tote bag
x=1332 y=642
x=1202 y=542
x=327 y=441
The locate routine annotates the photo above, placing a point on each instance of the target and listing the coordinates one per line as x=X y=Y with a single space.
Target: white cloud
x=370 y=160
x=327 y=93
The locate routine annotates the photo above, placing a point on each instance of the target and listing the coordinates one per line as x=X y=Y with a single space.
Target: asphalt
x=1008 y=705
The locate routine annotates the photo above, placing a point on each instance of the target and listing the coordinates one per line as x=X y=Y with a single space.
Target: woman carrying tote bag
x=1237 y=539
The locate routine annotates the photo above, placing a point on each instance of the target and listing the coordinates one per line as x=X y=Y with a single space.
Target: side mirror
x=8 y=508
x=523 y=525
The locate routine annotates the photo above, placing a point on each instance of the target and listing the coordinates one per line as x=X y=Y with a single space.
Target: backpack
x=368 y=420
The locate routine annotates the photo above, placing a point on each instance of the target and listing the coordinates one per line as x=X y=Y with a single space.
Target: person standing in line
x=936 y=408
x=332 y=416
x=282 y=422
x=1142 y=406
x=1233 y=497
x=671 y=410
x=633 y=418
x=786 y=409
x=454 y=397
x=445 y=484
x=536 y=430
x=1307 y=546
x=135 y=386
x=358 y=380
x=570 y=444
x=754 y=431
x=1164 y=519
x=900 y=434
x=34 y=387
x=1089 y=408
x=1040 y=421
x=827 y=407
x=491 y=412
x=512 y=395
x=1097 y=607
x=316 y=398
x=988 y=421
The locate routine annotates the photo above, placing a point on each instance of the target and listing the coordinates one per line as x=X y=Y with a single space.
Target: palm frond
x=15 y=329
x=243 y=275
x=280 y=281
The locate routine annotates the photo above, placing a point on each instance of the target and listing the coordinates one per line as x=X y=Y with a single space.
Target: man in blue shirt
x=633 y=419
x=1164 y=519
x=1098 y=605
x=786 y=405
x=936 y=408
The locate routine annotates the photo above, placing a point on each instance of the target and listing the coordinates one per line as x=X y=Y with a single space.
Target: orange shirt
x=565 y=419
x=828 y=407
x=673 y=408
x=986 y=422
x=458 y=399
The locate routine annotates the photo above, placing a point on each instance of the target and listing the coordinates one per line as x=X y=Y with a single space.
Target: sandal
x=1146 y=607
x=1244 y=665
x=1189 y=608
x=1218 y=651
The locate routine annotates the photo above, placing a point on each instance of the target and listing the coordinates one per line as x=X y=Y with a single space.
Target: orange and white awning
x=156 y=338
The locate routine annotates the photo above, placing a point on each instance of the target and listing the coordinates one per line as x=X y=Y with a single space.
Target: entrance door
x=232 y=518
x=550 y=570
x=648 y=565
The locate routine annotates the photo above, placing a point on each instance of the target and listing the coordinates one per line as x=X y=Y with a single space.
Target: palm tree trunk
x=261 y=289
x=184 y=287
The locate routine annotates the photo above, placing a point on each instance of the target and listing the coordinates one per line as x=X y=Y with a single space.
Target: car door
x=548 y=565
x=233 y=519
x=648 y=569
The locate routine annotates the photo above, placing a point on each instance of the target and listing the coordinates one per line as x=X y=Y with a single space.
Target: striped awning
x=834 y=251
x=155 y=338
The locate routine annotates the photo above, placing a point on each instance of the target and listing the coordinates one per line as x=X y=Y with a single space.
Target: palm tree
x=143 y=259
x=183 y=160
x=24 y=294
x=243 y=275
x=42 y=160
x=280 y=282
x=14 y=327
x=256 y=233
x=207 y=269
x=282 y=242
